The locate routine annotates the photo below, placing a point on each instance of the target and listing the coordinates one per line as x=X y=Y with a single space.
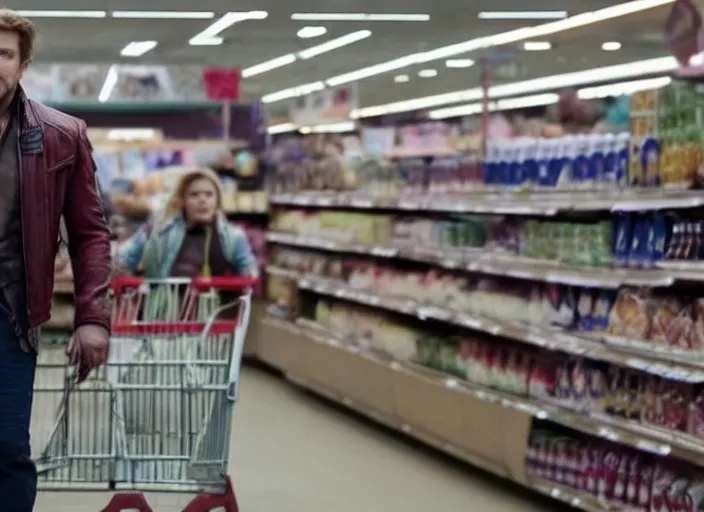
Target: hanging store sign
x=222 y=84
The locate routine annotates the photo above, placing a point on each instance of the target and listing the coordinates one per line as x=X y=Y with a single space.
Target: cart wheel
x=209 y=502
x=128 y=501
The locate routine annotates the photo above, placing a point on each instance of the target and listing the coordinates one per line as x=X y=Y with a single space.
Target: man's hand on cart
x=88 y=349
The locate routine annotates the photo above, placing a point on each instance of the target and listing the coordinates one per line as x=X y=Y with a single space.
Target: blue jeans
x=18 y=475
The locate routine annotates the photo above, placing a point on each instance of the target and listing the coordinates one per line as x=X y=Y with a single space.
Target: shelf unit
x=442 y=410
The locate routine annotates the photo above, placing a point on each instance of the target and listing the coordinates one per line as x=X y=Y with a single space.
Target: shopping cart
x=157 y=416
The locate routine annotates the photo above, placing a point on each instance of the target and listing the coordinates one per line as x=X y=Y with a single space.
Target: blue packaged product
x=608 y=177
x=529 y=173
x=660 y=230
x=502 y=169
x=585 y=310
x=595 y=167
x=638 y=242
x=515 y=168
x=601 y=311
x=623 y=142
x=622 y=240
x=647 y=257
x=544 y=159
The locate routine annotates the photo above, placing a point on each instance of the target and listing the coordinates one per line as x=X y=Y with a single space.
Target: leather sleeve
x=89 y=240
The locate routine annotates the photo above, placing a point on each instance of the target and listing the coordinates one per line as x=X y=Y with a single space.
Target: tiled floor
x=294 y=453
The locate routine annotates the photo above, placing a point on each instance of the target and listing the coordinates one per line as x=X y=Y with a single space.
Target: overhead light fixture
x=293 y=92
x=536 y=100
x=310 y=32
x=268 y=65
x=428 y=73
x=601 y=91
x=459 y=63
x=630 y=70
x=522 y=15
x=281 y=128
x=41 y=13
x=320 y=16
x=308 y=53
x=163 y=15
x=401 y=79
x=108 y=85
x=500 y=39
x=132 y=134
x=210 y=36
x=334 y=44
x=623 y=88
x=611 y=46
x=342 y=127
x=537 y=46
x=138 y=48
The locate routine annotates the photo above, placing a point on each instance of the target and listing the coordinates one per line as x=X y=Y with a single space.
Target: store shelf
x=537 y=203
x=443 y=411
x=503 y=264
x=627 y=432
x=679 y=366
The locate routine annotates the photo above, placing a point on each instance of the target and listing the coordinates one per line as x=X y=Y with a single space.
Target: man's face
x=11 y=65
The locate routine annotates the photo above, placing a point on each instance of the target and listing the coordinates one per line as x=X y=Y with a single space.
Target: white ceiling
x=252 y=42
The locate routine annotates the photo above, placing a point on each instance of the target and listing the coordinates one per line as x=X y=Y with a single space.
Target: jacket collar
x=179 y=222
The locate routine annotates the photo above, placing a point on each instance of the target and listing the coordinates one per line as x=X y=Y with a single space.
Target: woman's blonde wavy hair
x=175 y=204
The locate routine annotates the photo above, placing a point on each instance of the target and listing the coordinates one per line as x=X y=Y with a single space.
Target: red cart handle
x=200 y=283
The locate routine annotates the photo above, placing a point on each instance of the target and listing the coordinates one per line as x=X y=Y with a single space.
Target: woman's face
x=201 y=201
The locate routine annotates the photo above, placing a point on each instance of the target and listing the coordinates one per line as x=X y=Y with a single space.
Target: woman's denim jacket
x=154 y=249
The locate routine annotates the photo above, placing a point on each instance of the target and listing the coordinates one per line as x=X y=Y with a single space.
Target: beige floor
x=294 y=453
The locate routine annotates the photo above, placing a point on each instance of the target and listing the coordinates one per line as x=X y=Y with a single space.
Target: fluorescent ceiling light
x=138 y=48
x=428 y=73
x=334 y=44
x=281 y=128
x=602 y=91
x=623 y=88
x=41 y=13
x=210 y=35
x=611 y=46
x=401 y=79
x=308 y=53
x=206 y=41
x=319 y=16
x=130 y=134
x=537 y=100
x=459 y=63
x=163 y=15
x=537 y=46
x=345 y=126
x=503 y=38
x=293 y=92
x=522 y=15
x=268 y=65
x=310 y=32
x=630 y=70
x=108 y=85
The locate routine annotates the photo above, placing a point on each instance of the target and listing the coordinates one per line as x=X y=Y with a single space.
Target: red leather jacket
x=57 y=177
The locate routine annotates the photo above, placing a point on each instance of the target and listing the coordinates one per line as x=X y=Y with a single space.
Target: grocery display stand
x=477 y=421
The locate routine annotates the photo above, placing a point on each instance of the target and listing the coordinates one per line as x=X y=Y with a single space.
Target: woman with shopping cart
x=192 y=237
x=173 y=372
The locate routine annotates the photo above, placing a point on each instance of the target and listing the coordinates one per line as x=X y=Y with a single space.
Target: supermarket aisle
x=293 y=453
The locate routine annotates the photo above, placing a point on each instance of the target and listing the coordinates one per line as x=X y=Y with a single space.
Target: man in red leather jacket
x=46 y=172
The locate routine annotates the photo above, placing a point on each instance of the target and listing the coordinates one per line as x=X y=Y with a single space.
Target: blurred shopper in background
x=47 y=171
x=192 y=237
